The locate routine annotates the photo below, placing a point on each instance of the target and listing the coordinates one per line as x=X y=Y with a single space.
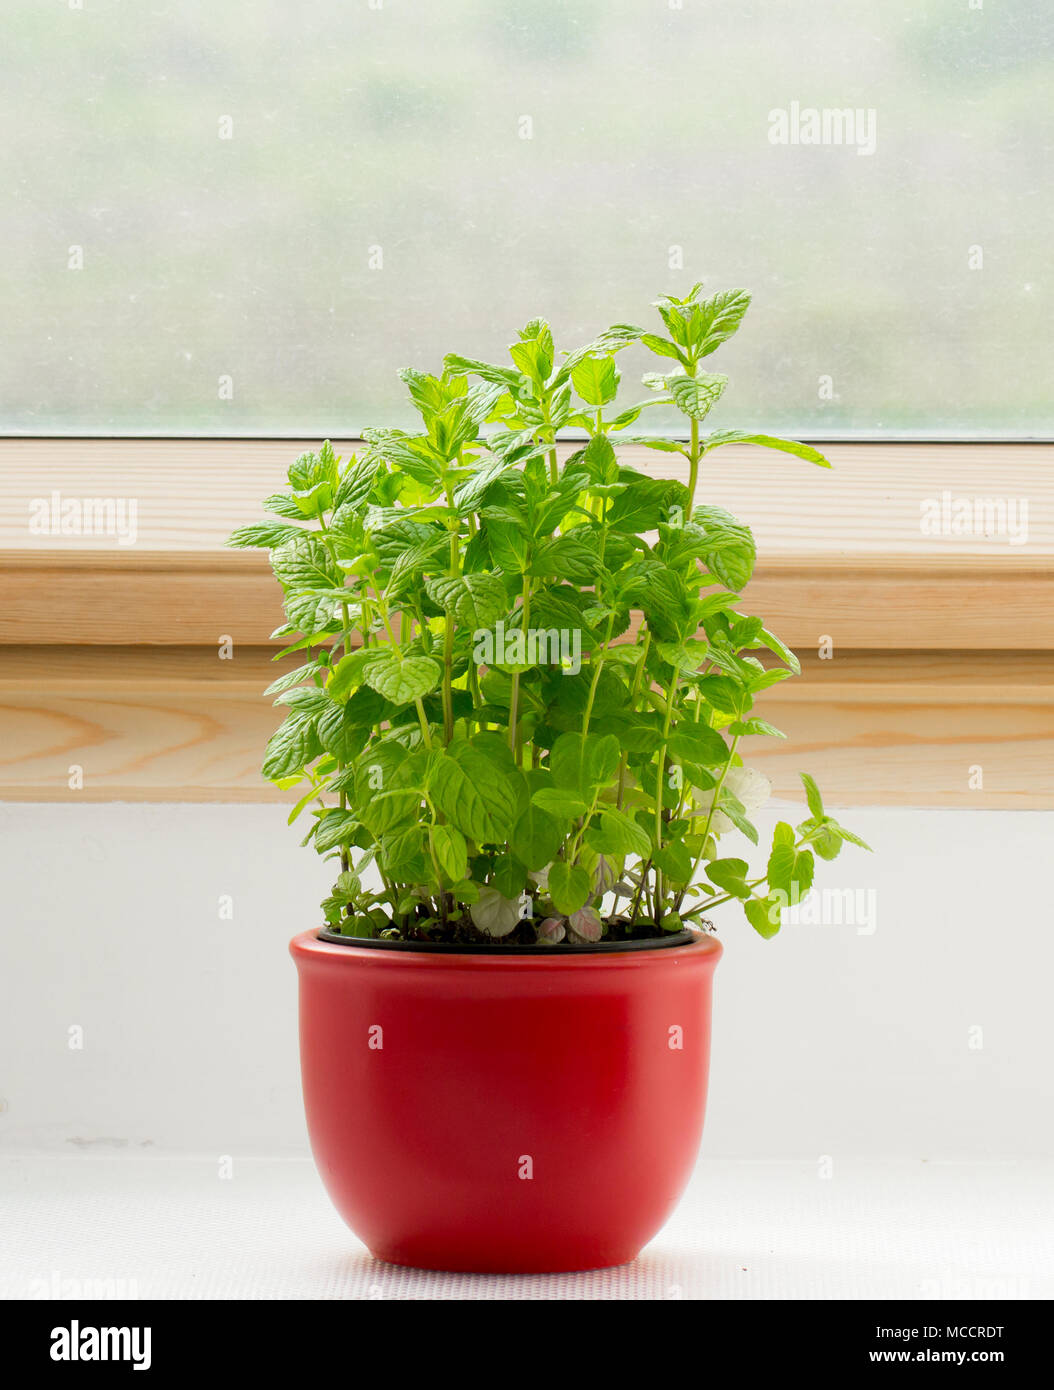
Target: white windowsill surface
x=89 y=1225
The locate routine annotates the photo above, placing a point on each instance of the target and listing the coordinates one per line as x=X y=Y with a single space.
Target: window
x=235 y=219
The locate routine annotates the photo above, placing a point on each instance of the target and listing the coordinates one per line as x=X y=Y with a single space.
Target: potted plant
x=517 y=726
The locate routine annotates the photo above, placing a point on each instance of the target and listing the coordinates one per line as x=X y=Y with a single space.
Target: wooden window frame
x=942 y=646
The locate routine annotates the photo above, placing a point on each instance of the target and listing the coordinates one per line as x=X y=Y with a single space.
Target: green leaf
x=661 y=347
x=827 y=842
x=348 y=673
x=486 y=371
x=404 y=855
x=357 y=483
x=812 y=795
x=580 y=762
x=569 y=886
x=646 y=503
x=340 y=733
x=509 y=545
x=478 y=601
x=283 y=505
x=509 y=876
x=698 y=744
x=305 y=564
x=560 y=802
x=292 y=746
x=596 y=379
x=264 y=534
x=402 y=681
x=729 y=874
x=787 y=866
x=767 y=441
x=466 y=891
x=727 y=546
x=291 y=678
x=852 y=839
x=600 y=460
x=763 y=914
x=536 y=837
x=306 y=698
x=717 y=319
x=474 y=793
x=451 y=852
x=335 y=827
x=696 y=396
x=756 y=726
x=765 y=638
x=675 y=862
x=620 y=834
x=534 y=353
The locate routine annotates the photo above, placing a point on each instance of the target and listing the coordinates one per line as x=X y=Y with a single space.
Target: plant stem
x=599 y=666
x=382 y=609
x=710 y=817
x=448 y=632
x=515 y=741
x=658 y=784
x=693 y=468
x=634 y=697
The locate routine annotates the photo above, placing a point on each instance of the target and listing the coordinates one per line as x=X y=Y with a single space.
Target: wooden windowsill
x=942 y=644
x=180 y=724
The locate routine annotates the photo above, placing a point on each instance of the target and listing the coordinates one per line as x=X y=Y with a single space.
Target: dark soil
x=464 y=932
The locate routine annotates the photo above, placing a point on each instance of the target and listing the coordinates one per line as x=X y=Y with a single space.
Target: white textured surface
x=927 y=1037
x=86 y=1226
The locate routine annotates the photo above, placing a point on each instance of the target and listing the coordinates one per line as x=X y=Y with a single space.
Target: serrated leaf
x=718 y=318
x=335 y=827
x=292 y=746
x=304 y=564
x=265 y=535
x=474 y=793
x=340 y=733
x=402 y=681
x=661 y=347
x=696 y=396
x=478 y=601
x=727 y=546
x=767 y=441
x=595 y=379
x=291 y=678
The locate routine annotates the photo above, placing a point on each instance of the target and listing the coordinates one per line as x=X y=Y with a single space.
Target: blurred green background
x=399 y=126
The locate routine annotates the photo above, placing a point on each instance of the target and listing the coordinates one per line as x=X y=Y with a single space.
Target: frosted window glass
x=225 y=218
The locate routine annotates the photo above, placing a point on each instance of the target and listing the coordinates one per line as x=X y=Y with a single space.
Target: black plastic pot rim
x=450 y=948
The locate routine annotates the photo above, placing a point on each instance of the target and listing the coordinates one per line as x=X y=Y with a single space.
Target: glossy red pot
x=504 y=1112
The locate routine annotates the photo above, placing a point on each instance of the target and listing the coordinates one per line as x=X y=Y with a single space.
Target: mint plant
x=480 y=741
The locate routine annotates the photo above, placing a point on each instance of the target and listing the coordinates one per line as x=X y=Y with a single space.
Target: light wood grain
x=942 y=644
x=195 y=598
x=843 y=554
x=178 y=724
x=912 y=728
x=190 y=494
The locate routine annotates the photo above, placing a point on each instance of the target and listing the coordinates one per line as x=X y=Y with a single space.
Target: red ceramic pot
x=525 y=1111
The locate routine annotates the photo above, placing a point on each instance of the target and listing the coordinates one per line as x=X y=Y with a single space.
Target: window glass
x=226 y=218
